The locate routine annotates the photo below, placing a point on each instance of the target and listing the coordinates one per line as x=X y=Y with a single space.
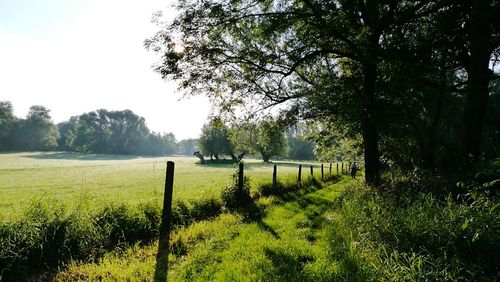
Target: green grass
x=288 y=241
x=99 y=179
x=43 y=225
x=342 y=232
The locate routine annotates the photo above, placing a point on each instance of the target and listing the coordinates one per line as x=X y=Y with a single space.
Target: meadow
x=97 y=179
x=104 y=225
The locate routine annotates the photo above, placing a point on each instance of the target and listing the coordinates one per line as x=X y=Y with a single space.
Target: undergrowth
x=418 y=237
x=47 y=236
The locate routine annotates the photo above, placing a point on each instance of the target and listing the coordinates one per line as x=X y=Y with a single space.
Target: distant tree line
x=267 y=138
x=101 y=131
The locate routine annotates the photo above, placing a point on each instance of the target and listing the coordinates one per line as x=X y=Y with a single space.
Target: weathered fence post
x=322 y=174
x=330 y=170
x=240 y=177
x=274 y=177
x=299 y=180
x=342 y=167
x=166 y=216
x=312 y=172
x=337 y=168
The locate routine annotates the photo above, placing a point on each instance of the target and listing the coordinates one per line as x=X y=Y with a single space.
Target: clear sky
x=76 y=56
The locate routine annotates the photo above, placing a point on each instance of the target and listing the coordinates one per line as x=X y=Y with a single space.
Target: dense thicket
x=410 y=80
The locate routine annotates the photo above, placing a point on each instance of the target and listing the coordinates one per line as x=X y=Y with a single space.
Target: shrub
x=234 y=197
x=206 y=208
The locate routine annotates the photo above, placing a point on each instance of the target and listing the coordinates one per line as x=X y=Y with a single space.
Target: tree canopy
x=101 y=131
x=394 y=72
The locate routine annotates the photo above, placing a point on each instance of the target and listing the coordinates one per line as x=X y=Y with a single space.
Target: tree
x=6 y=122
x=276 y=52
x=37 y=132
x=127 y=131
x=265 y=137
x=214 y=139
x=187 y=147
x=270 y=139
x=483 y=36
x=114 y=132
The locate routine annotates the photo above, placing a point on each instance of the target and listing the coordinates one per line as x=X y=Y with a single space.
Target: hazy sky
x=75 y=56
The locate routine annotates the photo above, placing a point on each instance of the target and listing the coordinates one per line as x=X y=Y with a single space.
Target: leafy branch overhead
x=387 y=70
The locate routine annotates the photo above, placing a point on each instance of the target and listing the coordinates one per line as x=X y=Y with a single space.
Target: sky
x=76 y=56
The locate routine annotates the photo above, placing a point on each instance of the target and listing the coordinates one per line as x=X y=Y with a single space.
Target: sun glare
x=179 y=48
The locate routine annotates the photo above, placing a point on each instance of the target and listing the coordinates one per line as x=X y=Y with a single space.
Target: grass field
x=73 y=177
x=338 y=230
x=290 y=241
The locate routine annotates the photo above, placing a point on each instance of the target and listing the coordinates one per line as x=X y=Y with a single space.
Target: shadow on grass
x=288 y=267
x=84 y=157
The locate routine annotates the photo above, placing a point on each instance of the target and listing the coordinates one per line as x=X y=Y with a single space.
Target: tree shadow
x=83 y=156
x=287 y=266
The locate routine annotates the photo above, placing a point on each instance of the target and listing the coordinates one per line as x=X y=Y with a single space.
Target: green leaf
x=465 y=225
x=494 y=208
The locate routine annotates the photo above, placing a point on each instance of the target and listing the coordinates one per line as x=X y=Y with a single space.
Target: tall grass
x=47 y=234
x=416 y=237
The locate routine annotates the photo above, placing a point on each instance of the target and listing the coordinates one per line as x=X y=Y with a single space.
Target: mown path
x=291 y=240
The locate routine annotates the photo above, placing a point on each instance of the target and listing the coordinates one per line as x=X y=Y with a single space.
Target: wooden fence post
x=299 y=180
x=240 y=177
x=274 y=177
x=337 y=168
x=312 y=172
x=322 y=174
x=342 y=167
x=330 y=170
x=166 y=216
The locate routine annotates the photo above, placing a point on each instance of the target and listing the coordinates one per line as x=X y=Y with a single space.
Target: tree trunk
x=368 y=126
x=430 y=151
x=477 y=96
x=233 y=157
x=265 y=157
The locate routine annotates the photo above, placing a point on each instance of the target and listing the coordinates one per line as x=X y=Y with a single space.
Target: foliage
x=395 y=73
x=214 y=139
x=114 y=132
x=300 y=149
x=235 y=197
x=48 y=236
x=270 y=139
x=36 y=132
x=416 y=236
x=102 y=131
x=187 y=147
x=266 y=137
x=6 y=122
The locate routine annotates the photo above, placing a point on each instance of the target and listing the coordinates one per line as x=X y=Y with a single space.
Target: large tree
x=35 y=133
x=271 y=52
x=482 y=30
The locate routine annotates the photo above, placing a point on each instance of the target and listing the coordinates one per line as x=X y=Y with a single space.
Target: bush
x=206 y=208
x=234 y=197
